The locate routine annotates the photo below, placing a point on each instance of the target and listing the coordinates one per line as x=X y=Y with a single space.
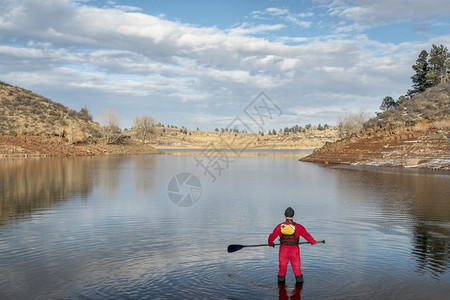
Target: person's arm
x=276 y=233
x=302 y=232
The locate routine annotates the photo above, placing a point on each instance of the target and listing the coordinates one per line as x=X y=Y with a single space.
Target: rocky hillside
x=34 y=126
x=413 y=134
x=24 y=112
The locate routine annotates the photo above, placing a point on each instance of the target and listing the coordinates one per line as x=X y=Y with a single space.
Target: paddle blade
x=234 y=248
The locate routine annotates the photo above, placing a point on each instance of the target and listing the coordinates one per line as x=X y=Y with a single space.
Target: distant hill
x=415 y=133
x=169 y=138
x=24 y=112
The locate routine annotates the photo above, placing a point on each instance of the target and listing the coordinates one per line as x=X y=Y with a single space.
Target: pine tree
x=387 y=103
x=419 y=79
x=438 y=63
x=85 y=114
x=401 y=99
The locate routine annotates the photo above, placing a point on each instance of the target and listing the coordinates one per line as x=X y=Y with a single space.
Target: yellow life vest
x=288 y=229
x=288 y=234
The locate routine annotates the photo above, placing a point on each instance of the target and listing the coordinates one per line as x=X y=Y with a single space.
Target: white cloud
x=246 y=28
x=369 y=12
x=284 y=14
x=81 y=55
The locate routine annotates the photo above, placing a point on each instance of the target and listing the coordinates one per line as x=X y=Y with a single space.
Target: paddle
x=234 y=248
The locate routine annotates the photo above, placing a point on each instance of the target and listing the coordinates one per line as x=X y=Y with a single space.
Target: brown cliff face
x=414 y=134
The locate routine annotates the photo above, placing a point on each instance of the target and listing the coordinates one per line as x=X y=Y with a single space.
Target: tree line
x=296 y=129
x=429 y=70
x=285 y=131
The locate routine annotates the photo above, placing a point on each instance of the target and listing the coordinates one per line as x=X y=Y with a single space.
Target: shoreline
x=39 y=146
x=298 y=153
x=380 y=166
x=388 y=169
x=423 y=146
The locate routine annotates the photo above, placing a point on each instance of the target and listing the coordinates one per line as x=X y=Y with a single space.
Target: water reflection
x=143 y=169
x=29 y=185
x=430 y=247
x=295 y=294
x=107 y=175
x=411 y=200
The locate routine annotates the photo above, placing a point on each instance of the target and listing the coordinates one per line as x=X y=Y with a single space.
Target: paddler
x=289 y=233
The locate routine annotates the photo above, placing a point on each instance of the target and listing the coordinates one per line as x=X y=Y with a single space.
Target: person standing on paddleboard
x=289 y=233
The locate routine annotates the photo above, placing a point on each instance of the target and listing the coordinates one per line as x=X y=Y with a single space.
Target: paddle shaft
x=301 y=243
x=234 y=248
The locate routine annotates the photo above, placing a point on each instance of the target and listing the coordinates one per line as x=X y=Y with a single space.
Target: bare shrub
x=351 y=123
x=144 y=127
x=110 y=123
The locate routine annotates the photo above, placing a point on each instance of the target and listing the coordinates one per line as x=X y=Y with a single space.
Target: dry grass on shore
x=170 y=138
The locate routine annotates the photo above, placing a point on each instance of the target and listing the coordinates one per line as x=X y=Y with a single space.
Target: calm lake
x=158 y=226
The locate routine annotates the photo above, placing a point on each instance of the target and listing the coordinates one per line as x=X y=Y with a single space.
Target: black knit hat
x=289 y=212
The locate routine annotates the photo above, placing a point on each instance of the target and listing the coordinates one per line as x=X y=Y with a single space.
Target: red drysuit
x=290 y=253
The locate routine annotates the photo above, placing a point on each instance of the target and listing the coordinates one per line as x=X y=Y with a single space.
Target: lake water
x=157 y=227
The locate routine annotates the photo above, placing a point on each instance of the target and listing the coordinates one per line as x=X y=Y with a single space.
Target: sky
x=206 y=64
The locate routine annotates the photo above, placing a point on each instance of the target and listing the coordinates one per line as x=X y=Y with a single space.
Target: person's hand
x=314 y=243
x=273 y=245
